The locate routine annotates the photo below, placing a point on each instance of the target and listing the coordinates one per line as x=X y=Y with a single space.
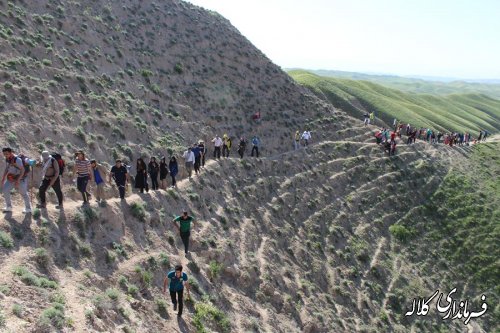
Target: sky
x=440 y=38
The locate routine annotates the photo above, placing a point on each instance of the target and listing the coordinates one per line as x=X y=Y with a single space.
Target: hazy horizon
x=447 y=39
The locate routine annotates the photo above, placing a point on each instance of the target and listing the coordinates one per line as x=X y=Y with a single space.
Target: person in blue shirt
x=178 y=279
x=255 y=145
x=99 y=177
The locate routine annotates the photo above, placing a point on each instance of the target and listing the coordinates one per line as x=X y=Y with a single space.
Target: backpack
x=60 y=161
x=229 y=143
x=27 y=163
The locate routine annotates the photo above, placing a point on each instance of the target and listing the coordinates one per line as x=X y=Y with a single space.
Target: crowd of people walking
x=387 y=137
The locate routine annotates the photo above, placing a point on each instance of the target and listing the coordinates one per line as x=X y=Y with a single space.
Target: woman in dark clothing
x=172 y=166
x=141 y=178
x=153 y=170
x=163 y=173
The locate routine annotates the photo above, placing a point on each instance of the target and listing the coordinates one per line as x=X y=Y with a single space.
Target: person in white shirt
x=306 y=136
x=189 y=161
x=217 y=146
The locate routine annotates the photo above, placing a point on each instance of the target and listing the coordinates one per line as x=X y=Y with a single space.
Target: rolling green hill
x=419 y=86
x=456 y=112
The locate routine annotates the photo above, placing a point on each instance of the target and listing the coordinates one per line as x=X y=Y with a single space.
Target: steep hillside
x=328 y=238
x=460 y=112
x=297 y=242
x=135 y=77
x=420 y=86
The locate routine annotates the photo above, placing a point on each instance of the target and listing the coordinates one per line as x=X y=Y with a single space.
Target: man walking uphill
x=184 y=227
x=178 y=279
x=14 y=176
x=50 y=178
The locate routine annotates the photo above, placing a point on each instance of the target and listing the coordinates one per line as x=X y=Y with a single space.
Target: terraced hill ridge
x=455 y=112
x=431 y=86
x=334 y=237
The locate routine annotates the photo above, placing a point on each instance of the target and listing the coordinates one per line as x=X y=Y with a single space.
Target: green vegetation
x=206 y=314
x=460 y=112
x=459 y=227
x=138 y=211
x=6 y=240
x=32 y=280
x=419 y=86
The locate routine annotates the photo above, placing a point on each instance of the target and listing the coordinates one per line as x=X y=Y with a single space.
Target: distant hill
x=461 y=112
x=422 y=85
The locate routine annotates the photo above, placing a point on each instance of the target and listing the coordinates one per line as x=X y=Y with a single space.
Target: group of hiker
x=301 y=139
x=387 y=137
x=86 y=172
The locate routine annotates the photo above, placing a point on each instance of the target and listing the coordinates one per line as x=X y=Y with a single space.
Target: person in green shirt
x=184 y=227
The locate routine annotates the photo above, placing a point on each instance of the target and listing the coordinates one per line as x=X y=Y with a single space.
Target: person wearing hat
x=184 y=227
x=50 y=178
x=296 y=140
x=14 y=176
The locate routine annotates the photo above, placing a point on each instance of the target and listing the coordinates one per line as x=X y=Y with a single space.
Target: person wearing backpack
x=84 y=174
x=15 y=176
x=178 y=280
x=99 y=173
x=50 y=178
x=119 y=173
x=255 y=145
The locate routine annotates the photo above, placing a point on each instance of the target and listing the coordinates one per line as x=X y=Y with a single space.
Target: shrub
x=132 y=289
x=138 y=211
x=6 y=240
x=17 y=310
x=53 y=316
x=2 y=319
x=41 y=257
x=8 y=85
x=147 y=277
x=36 y=213
x=85 y=249
x=164 y=261
x=122 y=281
x=400 y=232
x=162 y=307
x=206 y=312
x=113 y=293
x=214 y=269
